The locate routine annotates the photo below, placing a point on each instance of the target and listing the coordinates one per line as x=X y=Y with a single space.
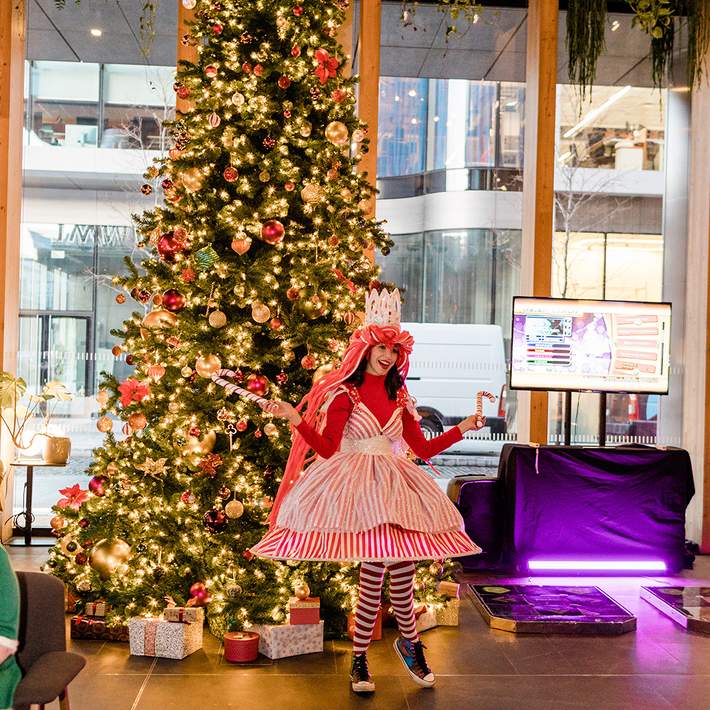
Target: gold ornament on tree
x=260 y=312
x=192 y=179
x=234 y=509
x=104 y=424
x=108 y=555
x=311 y=193
x=217 y=319
x=302 y=591
x=337 y=133
x=270 y=429
x=207 y=365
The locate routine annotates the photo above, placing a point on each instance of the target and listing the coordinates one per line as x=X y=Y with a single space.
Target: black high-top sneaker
x=360 y=678
x=411 y=653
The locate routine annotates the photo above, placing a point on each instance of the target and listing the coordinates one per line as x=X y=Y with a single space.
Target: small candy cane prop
x=218 y=378
x=479 y=401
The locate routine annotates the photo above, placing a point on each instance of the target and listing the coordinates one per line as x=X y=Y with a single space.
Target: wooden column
x=369 y=97
x=539 y=185
x=345 y=39
x=12 y=57
x=186 y=52
x=696 y=353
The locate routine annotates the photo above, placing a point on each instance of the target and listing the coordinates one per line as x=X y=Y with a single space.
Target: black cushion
x=48 y=677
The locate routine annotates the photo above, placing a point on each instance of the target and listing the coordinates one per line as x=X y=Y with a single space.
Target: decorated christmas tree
x=257 y=261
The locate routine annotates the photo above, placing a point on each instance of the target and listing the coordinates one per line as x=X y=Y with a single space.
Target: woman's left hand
x=474 y=422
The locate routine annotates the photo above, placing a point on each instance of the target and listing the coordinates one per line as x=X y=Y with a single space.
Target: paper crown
x=383 y=308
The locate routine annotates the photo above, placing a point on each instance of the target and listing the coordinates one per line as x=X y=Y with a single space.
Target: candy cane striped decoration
x=479 y=401
x=218 y=378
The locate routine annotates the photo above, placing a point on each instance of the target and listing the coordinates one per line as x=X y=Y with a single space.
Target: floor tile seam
x=144 y=684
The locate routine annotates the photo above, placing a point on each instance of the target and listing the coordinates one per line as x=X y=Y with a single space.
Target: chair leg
x=64 y=700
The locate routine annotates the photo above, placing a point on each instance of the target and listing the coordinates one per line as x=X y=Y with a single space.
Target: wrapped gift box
x=288 y=640
x=448 y=615
x=426 y=617
x=99 y=608
x=304 y=611
x=449 y=589
x=181 y=614
x=163 y=639
x=376 y=632
x=85 y=627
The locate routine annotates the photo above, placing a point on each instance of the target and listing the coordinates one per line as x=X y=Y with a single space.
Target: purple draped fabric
x=624 y=502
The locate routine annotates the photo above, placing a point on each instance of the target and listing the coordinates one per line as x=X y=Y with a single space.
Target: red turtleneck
x=374 y=396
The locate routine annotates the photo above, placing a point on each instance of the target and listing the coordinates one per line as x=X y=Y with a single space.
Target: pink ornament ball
x=97 y=485
x=173 y=300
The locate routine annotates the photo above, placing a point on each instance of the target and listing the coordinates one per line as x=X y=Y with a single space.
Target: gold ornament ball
x=192 y=179
x=322 y=371
x=160 y=318
x=234 y=509
x=102 y=397
x=346 y=194
x=337 y=133
x=186 y=371
x=311 y=193
x=108 y=554
x=270 y=429
x=264 y=176
x=104 y=424
x=436 y=568
x=260 y=312
x=173 y=407
x=83 y=585
x=207 y=365
x=137 y=421
x=302 y=591
x=57 y=522
x=232 y=590
x=217 y=319
x=306 y=129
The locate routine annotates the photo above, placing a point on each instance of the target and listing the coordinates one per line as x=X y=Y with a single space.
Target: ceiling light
x=615 y=25
x=414 y=121
x=412 y=93
x=475 y=18
x=595 y=113
x=96 y=32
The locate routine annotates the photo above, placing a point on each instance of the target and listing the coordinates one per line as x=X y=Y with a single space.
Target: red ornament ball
x=188 y=497
x=173 y=300
x=282 y=378
x=230 y=173
x=258 y=70
x=169 y=246
x=284 y=82
x=167 y=184
x=308 y=362
x=98 y=484
x=298 y=11
x=225 y=492
x=272 y=232
x=195 y=431
x=80 y=558
x=215 y=520
x=217 y=28
x=146 y=189
x=210 y=71
x=84 y=523
x=290 y=186
x=120 y=298
x=338 y=95
x=130 y=360
x=258 y=384
x=295 y=51
x=246 y=68
x=241 y=425
x=276 y=324
x=183 y=92
x=293 y=294
x=258 y=434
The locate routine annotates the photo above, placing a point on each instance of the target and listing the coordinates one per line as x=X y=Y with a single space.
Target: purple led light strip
x=598 y=565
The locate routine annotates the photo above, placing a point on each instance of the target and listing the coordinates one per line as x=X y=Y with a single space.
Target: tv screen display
x=598 y=346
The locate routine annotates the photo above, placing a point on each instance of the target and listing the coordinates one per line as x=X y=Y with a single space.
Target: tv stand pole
x=568 y=419
x=602 y=419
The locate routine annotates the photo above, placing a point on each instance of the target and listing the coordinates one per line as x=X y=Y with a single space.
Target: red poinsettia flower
x=73 y=497
x=133 y=391
x=327 y=66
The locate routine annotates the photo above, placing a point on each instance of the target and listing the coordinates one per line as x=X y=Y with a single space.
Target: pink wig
x=360 y=343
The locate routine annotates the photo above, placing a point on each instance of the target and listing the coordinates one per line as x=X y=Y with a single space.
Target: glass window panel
x=137 y=101
x=512 y=124
x=64 y=103
x=480 y=129
x=438 y=122
x=402 y=126
x=404 y=267
x=457 y=277
x=57 y=263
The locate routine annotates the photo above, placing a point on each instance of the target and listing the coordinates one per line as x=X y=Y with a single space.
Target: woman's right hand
x=284 y=410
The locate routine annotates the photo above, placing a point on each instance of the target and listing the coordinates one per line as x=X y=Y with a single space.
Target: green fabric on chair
x=9 y=628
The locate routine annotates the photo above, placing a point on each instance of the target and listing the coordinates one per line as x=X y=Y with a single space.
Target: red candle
x=241 y=646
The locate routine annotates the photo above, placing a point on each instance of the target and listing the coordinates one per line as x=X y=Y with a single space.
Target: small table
x=30 y=465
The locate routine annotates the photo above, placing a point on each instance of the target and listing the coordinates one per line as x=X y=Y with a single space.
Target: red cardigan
x=374 y=396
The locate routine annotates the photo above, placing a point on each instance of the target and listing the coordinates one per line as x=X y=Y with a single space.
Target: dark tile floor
x=658 y=666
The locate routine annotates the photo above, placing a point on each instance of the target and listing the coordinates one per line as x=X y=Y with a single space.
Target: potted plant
x=15 y=415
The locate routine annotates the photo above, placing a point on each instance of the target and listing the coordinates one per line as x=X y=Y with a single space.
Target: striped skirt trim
x=384 y=543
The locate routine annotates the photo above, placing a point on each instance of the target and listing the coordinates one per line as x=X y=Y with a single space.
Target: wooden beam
x=12 y=65
x=185 y=51
x=369 y=97
x=539 y=185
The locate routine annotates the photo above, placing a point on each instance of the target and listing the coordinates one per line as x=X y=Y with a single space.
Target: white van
x=449 y=365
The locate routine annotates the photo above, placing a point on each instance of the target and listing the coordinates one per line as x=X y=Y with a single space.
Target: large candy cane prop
x=218 y=378
x=479 y=401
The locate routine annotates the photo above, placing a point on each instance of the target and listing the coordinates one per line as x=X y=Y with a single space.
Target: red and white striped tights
x=372 y=575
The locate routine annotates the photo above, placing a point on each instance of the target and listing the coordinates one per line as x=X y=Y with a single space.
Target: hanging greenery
x=586 y=21
x=469 y=10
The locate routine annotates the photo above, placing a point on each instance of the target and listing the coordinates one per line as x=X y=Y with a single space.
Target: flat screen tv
x=590 y=346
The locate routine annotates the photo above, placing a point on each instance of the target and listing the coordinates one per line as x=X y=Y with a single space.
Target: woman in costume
x=363 y=499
